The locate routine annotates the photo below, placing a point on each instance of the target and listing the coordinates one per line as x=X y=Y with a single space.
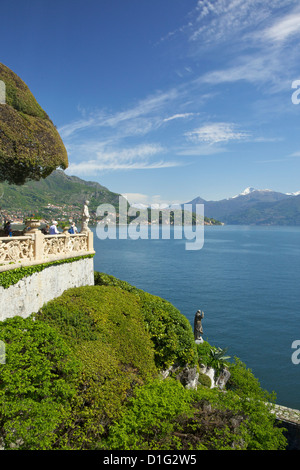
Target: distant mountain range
x=254 y=207
x=60 y=192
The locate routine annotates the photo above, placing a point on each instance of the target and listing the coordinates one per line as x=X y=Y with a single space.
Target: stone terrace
x=36 y=248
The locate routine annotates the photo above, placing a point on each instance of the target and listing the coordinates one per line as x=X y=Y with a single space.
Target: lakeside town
x=66 y=214
x=62 y=213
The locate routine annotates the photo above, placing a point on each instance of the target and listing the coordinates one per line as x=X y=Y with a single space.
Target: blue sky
x=165 y=100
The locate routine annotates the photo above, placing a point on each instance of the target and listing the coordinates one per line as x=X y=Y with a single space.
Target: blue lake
x=245 y=279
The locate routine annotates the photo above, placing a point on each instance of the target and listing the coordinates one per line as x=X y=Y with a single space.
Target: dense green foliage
x=83 y=373
x=37 y=383
x=163 y=415
x=212 y=356
x=98 y=329
x=169 y=330
x=30 y=146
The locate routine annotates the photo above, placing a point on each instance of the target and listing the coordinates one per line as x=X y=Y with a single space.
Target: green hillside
x=57 y=189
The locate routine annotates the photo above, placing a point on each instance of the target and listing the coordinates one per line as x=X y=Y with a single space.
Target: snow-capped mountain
x=293 y=194
x=249 y=191
x=252 y=190
x=253 y=206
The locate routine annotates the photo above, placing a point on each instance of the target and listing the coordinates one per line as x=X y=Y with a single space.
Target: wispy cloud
x=253 y=35
x=178 y=116
x=215 y=133
x=201 y=150
x=140 y=199
x=295 y=154
x=284 y=28
x=221 y=19
x=68 y=129
x=216 y=21
x=101 y=141
x=95 y=166
x=133 y=119
x=254 y=69
x=134 y=158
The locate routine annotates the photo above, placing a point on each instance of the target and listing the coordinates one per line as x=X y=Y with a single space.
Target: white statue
x=85 y=217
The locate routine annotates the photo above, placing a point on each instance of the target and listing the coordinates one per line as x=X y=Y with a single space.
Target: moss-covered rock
x=30 y=146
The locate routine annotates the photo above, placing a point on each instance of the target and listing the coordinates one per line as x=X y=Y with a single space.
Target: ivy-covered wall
x=24 y=291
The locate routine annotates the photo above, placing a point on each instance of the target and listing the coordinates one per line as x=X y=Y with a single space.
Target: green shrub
x=105 y=314
x=103 y=279
x=204 y=380
x=163 y=415
x=37 y=383
x=170 y=331
x=148 y=422
x=244 y=383
x=105 y=329
x=212 y=356
x=203 y=351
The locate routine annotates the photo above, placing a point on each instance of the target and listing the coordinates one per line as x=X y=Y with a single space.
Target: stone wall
x=30 y=293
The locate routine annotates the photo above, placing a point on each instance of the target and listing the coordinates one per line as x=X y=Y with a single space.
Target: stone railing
x=36 y=248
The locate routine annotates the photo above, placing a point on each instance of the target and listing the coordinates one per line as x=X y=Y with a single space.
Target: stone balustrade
x=37 y=248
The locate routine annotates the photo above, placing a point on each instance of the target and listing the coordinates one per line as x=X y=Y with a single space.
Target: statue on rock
x=198 y=330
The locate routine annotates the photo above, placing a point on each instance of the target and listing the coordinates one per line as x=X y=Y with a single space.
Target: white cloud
x=136 y=198
x=134 y=158
x=218 y=20
x=68 y=129
x=110 y=150
x=200 y=150
x=215 y=133
x=283 y=28
x=133 y=120
x=139 y=199
x=256 y=69
x=104 y=140
x=92 y=166
x=177 y=116
x=254 y=29
x=295 y=154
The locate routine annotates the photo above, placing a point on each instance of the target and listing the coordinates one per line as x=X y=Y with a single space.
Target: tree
x=30 y=145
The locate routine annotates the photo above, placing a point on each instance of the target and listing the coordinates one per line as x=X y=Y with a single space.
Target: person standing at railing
x=8 y=229
x=73 y=228
x=53 y=229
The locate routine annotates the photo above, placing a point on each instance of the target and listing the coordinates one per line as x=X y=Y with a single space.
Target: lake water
x=245 y=279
